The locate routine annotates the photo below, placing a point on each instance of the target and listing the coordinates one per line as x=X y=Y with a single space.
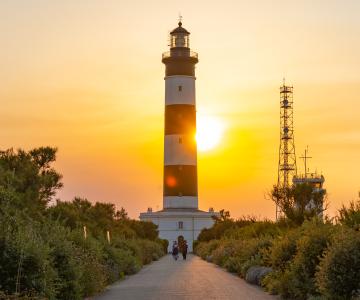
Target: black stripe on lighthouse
x=180 y=180
x=180 y=119
x=180 y=66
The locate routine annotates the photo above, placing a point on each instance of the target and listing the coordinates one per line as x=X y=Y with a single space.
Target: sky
x=86 y=76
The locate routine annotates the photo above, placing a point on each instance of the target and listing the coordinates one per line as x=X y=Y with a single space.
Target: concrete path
x=190 y=279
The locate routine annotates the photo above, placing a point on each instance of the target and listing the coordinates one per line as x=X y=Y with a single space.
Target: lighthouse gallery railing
x=180 y=54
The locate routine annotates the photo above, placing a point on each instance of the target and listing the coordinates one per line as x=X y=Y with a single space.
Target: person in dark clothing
x=184 y=250
x=175 y=250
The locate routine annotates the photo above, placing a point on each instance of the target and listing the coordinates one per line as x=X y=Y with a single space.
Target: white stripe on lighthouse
x=179 y=89
x=180 y=202
x=180 y=150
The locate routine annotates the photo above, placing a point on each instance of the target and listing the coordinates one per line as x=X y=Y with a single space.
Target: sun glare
x=209 y=132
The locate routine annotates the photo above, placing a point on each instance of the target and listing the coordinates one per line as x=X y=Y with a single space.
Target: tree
x=350 y=216
x=121 y=214
x=299 y=202
x=224 y=216
x=222 y=223
x=30 y=176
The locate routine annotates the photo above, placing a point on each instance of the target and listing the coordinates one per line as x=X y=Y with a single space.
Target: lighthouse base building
x=180 y=217
x=176 y=223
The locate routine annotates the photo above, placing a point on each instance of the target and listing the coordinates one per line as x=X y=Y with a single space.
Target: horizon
x=87 y=77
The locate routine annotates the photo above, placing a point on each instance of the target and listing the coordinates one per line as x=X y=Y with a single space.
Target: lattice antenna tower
x=287 y=158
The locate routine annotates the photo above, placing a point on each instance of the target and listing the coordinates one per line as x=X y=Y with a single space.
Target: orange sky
x=86 y=76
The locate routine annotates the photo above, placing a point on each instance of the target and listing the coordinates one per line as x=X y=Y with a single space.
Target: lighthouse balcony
x=176 y=52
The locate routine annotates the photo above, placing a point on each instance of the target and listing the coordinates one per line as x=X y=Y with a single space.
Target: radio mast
x=287 y=158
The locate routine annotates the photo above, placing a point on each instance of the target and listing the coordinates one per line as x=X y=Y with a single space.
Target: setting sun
x=209 y=132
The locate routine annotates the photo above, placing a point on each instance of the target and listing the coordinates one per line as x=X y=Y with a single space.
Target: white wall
x=172 y=93
x=192 y=226
x=180 y=202
x=177 y=153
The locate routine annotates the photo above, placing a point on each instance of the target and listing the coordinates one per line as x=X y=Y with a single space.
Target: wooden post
x=108 y=236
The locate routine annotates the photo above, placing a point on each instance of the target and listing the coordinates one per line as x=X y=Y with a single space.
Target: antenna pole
x=305 y=158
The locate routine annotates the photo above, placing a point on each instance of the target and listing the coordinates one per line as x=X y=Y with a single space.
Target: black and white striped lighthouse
x=180 y=151
x=180 y=216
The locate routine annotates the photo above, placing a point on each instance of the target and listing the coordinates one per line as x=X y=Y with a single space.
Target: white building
x=180 y=215
x=315 y=180
x=173 y=223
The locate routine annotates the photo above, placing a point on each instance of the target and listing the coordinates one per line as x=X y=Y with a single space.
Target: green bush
x=350 y=216
x=254 y=230
x=247 y=253
x=43 y=251
x=339 y=269
x=282 y=250
x=235 y=255
x=295 y=267
x=165 y=245
x=204 y=249
x=25 y=258
x=222 y=252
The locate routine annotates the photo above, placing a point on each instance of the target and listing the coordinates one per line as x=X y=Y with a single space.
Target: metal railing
x=310 y=176
x=189 y=53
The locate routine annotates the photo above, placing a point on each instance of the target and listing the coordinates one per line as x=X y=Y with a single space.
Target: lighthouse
x=180 y=153
x=180 y=218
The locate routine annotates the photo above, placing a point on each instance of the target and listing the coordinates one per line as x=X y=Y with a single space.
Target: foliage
x=240 y=248
x=299 y=202
x=205 y=249
x=43 y=251
x=254 y=230
x=350 y=216
x=295 y=260
x=339 y=269
x=30 y=176
x=316 y=260
x=223 y=224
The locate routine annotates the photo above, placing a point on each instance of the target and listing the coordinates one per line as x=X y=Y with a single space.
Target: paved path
x=190 y=279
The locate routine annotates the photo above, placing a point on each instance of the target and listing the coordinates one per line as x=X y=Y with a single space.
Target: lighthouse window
x=180 y=88
x=181 y=225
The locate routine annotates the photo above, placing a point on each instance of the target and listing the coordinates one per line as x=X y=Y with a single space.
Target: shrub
x=250 y=252
x=25 y=259
x=94 y=274
x=254 y=230
x=339 y=270
x=222 y=252
x=282 y=250
x=165 y=245
x=295 y=267
x=206 y=248
x=43 y=253
x=350 y=216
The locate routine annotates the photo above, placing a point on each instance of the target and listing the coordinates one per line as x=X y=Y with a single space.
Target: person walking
x=175 y=250
x=184 y=250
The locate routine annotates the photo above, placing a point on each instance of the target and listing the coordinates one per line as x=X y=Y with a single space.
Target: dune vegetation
x=299 y=257
x=62 y=250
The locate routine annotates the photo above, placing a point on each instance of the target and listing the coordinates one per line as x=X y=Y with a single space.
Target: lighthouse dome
x=179 y=37
x=179 y=29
